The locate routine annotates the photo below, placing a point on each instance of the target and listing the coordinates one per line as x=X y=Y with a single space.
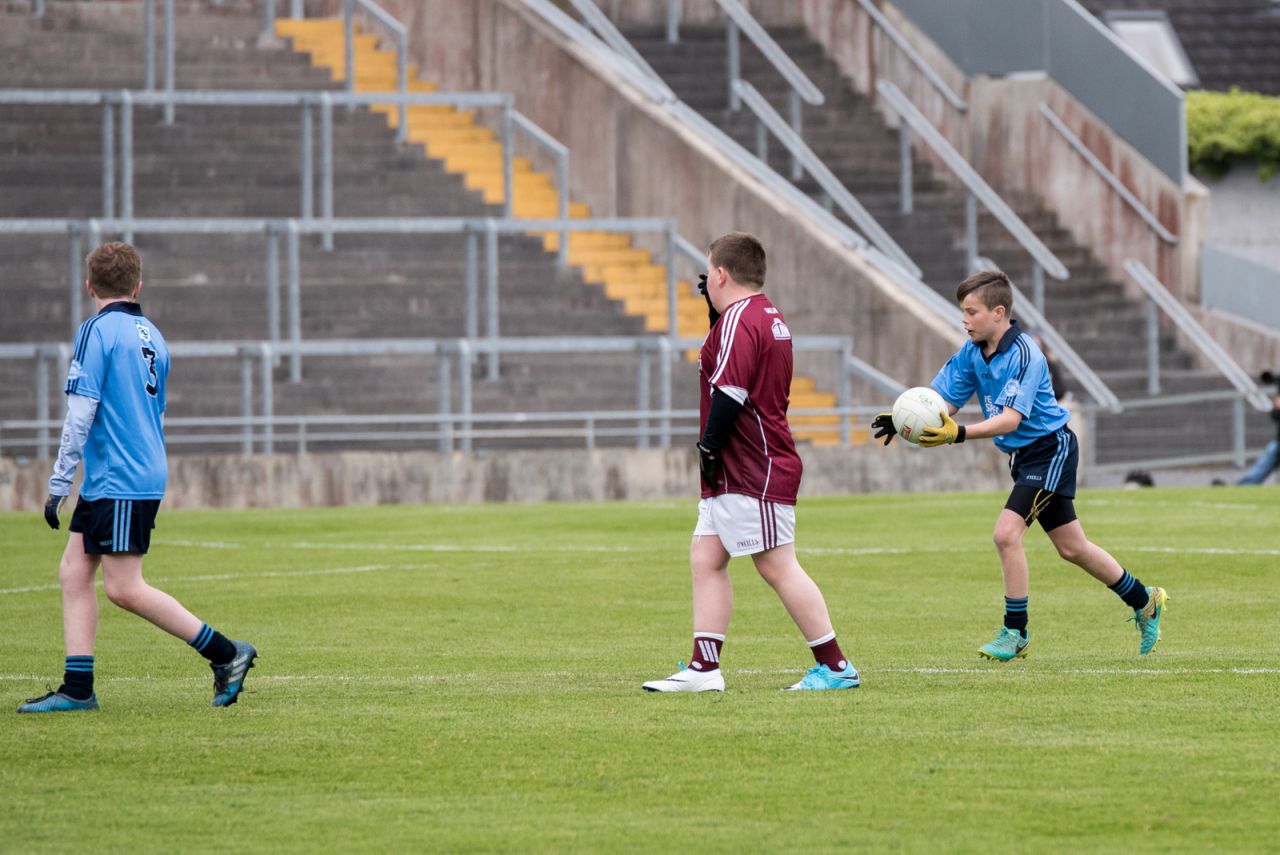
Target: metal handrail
x=1217 y=356
x=402 y=53
x=733 y=152
x=977 y=189
x=1067 y=355
x=125 y=100
x=914 y=56
x=1107 y=175
x=839 y=194
x=741 y=19
x=875 y=376
x=560 y=152
x=595 y=18
x=474 y=228
x=642 y=77
x=461 y=351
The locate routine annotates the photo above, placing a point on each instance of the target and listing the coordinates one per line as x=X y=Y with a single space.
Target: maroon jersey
x=747 y=355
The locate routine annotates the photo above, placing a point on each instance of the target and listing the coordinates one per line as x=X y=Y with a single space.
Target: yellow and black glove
x=948 y=433
x=883 y=426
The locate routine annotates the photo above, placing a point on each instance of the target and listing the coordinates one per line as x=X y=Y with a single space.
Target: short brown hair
x=993 y=289
x=114 y=270
x=742 y=255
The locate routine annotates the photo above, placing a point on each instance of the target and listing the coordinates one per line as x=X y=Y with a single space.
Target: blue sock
x=1132 y=591
x=213 y=645
x=77 y=679
x=1015 y=614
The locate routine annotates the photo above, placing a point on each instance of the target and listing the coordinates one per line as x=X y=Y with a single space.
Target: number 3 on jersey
x=150 y=356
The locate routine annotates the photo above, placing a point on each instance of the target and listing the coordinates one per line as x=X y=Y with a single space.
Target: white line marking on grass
x=265 y=574
x=398 y=547
x=1199 y=550
x=1217 y=506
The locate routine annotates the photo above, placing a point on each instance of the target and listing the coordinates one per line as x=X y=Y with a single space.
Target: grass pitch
x=468 y=679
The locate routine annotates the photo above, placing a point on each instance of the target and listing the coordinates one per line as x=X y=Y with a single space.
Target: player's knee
x=73 y=574
x=1006 y=538
x=1073 y=550
x=126 y=595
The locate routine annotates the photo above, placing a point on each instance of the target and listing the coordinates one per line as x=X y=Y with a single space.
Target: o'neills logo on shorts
x=748 y=543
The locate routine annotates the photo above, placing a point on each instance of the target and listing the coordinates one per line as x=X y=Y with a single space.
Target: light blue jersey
x=122 y=362
x=1016 y=375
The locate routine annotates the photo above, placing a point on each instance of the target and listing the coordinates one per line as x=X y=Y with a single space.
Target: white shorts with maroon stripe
x=746 y=525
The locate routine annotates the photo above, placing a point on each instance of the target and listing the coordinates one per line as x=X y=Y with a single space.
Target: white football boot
x=688 y=680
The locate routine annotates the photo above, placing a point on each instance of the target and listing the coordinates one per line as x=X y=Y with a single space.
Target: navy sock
x=77 y=680
x=213 y=645
x=1015 y=614
x=1132 y=591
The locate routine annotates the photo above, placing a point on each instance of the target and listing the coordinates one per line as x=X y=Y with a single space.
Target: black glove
x=1266 y=378
x=884 y=428
x=51 y=507
x=709 y=466
x=711 y=310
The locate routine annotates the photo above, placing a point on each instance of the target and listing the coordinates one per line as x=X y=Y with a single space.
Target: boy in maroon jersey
x=750 y=474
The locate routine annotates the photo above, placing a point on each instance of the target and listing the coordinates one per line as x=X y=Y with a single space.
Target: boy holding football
x=1004 y=367
x=750 y=474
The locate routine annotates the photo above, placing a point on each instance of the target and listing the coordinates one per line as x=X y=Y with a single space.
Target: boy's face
x=982 y=324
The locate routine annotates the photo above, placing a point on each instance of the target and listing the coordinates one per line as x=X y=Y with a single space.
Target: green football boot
x=1148 y=619
x=1008 y=644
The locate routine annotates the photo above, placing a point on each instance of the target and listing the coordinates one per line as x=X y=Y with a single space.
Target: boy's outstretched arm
x=950 y=432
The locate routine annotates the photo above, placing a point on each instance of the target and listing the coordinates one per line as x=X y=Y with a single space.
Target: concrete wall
x=1255 y=347
x=1246 y=215
x=374 y=478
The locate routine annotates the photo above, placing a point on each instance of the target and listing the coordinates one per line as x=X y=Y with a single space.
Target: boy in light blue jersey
x=1005 y=369
x=115 y=411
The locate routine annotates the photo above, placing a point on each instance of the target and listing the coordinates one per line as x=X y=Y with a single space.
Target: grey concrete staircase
x=242 y=162
x=851 y=137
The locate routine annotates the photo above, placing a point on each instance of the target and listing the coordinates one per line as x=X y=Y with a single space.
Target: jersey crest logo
x=780 y=330
x=75 y=372
x=1012 y=389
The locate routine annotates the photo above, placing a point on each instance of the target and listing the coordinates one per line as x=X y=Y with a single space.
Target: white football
x=915 y=410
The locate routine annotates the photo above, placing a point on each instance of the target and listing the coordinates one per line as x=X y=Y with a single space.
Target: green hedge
x=1227 y=128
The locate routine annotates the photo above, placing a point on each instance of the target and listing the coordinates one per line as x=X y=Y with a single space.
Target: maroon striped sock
x=706 y=651
x=826 y=651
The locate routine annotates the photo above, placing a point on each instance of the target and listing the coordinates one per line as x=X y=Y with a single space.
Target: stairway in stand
x=1092 y=311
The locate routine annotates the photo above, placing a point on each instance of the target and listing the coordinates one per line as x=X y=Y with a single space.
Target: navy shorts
x=110 y=526
x=1044 y=480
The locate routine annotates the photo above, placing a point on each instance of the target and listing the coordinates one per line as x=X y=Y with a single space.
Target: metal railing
x=402 y=53
x=1160 y=299
x=642 y=77
x=595 y=18
x=647 y=81
x=913 y=56
x=768 y=118
x=124 y=101
x=473 y=228
x=1062 y=349
x=1107 y=175
x=454 y=358
x=739 y=20
x=1183 y=403
x=976 y=190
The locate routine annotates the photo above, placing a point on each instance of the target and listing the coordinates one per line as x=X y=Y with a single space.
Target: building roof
x=1229 y=42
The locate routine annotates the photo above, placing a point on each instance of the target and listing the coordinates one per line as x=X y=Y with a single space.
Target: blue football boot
x=58 y=702
x=229 y=678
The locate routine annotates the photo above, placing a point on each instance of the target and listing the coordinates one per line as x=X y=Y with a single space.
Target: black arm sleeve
x=724 y=412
